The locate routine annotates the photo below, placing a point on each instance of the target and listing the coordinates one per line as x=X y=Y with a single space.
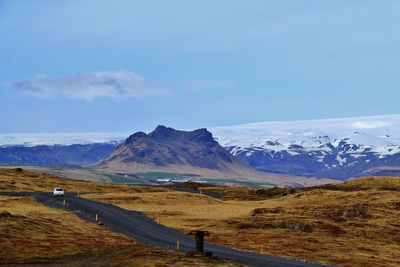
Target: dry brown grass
x=30 y=231
x=385 y=183
x=137 y=255
x=33 y=234
x=13 y=180
x=352 y=224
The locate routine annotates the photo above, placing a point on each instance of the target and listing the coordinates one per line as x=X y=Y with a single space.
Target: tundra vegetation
x=33 y=234
x=349 y=224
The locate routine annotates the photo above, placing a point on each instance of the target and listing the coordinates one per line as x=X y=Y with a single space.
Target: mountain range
x=55 y=155
x=186 y=152
x=333 y=148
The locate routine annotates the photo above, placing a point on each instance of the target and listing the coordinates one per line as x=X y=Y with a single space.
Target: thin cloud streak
x=111 y=84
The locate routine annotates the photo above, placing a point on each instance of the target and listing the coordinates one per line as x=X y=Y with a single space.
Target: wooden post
x=177 y=245
x=262 y=248
x=199 y=238
x=97 y=217
x=158 y=220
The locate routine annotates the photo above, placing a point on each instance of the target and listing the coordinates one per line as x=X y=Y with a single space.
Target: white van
x=58 y=191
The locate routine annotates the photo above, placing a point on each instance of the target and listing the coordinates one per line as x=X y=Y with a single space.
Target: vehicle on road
x=136 y=225
x=58 y=192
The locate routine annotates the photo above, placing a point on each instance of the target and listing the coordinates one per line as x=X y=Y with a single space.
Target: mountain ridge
x=196 y=152
x=334 y=148
x=166 y=147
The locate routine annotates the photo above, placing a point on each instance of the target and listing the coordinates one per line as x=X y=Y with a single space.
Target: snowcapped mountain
x=331 y=148
x=63 y=139
x=335 y=148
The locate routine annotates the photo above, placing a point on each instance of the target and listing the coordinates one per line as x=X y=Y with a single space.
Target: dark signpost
x=199 y=237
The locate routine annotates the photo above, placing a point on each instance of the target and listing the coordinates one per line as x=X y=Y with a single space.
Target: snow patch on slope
x=378 y=134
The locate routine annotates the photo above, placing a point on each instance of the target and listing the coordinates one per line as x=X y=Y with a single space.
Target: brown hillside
x=196 y=152
x=35 y=235
x=351 y=224
x=19 y=180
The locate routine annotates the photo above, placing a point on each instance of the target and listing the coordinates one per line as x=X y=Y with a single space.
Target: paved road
x=142 y=229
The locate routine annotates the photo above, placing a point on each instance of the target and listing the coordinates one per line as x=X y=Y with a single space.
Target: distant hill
x=51 y=155
x=167 y=149
x=192 y=152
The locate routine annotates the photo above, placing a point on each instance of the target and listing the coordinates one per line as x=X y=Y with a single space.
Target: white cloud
x=90 y=85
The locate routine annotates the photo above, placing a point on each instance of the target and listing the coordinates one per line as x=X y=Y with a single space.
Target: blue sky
x=105 y=66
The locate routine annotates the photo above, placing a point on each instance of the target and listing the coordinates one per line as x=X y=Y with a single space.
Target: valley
x=32 y=234
x=199 y=133
x=262 y=195
x=349 y=224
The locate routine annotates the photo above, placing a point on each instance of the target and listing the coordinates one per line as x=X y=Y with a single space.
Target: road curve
x=144 y=230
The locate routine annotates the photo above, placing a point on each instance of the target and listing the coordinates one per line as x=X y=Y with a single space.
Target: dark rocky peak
x=166 y=146
x=135 y=137
x=167 y=134
x=202 y=131
x=295 y=147
x=162 y=131
x=202 y=136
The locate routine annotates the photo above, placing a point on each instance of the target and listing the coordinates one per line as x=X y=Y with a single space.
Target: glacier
x=332 y=148
x=379 y=133
x=335 y=148
x=63 y=139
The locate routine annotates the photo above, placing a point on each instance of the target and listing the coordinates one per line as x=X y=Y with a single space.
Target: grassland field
x=35 y=235
x=350 y=224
